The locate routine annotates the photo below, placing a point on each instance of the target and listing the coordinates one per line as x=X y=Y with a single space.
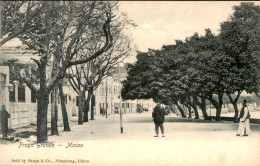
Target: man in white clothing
x=244 y=124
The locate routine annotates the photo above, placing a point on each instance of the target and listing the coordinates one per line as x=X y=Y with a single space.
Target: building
x=110 y=90
x=19 y=99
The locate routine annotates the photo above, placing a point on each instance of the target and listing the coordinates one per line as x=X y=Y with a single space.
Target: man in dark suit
x=158 y=118
x=4 y=121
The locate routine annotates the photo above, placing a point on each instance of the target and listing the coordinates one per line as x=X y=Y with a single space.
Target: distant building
x=110 y=90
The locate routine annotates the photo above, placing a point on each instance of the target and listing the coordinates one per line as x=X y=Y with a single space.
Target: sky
x=162 y=22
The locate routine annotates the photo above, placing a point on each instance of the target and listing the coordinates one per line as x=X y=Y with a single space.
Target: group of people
x=243 y=128
x=102 y=111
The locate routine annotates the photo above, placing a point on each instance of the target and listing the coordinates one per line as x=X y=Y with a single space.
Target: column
x=16 y=91
x=16 y=101
x=27 y=94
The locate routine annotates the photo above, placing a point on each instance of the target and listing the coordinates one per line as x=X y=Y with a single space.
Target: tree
x=240 y=42
x=16 y=17
x=202 y=67
x=87 y=77
x=173 y=74
x=148 y=79
x=63 y=108
x=74 y=20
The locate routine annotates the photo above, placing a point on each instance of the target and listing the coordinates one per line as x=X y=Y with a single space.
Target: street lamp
x=121 y=123
x=106 y=97
x=210 y=111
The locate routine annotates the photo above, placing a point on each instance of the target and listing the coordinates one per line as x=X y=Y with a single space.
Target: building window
x=51 y=98
x=3 y=79
x=66 y=98
x=116 y=105
x=21 y=93
x=123 y=105
x=12 y=96
x=77 y=100
x=58 y=99
x=33 y=97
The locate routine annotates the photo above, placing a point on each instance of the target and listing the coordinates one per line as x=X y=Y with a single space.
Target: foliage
x=204 y=66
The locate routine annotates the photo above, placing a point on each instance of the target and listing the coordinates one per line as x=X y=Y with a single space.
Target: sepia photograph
x=131 y=83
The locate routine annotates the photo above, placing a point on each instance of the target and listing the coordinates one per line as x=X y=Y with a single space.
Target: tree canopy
x=206 y=66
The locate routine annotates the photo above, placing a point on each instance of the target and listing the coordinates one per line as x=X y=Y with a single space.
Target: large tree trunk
x=196 y=112
x=42 y=109
x=189 y=109
x=86 y=107
x=86 y=110
x=64 y=110
x=234 y=103
x=54 y=113
x=194 y=106
x=202 y=106
x=218 y=105
x=42 y=106
x=43 y=93
x=180 y=109
x=218 y=113
x=92 y=106
x=236 y=112
x=81 y=100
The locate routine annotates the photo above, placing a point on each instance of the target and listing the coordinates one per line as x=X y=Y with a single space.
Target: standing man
x=244 y=124
x=4 y=121
x=158 y=118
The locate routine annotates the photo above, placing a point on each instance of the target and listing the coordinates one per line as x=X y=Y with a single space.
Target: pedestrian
x=102 y=111
x=244 y=124
x=4 y=121
x=158 y=118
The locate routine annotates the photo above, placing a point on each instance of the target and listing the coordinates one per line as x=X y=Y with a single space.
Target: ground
x=187 y=142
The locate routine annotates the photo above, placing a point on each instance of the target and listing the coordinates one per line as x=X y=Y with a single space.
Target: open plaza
x=99 y=142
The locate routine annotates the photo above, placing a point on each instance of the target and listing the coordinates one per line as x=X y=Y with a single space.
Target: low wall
x=22 y=114
x=25 y=114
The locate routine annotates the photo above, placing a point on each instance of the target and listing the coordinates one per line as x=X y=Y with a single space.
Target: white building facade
x=21 y=103
x=109 y=93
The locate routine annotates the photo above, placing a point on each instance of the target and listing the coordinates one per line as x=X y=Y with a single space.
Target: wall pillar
x=16 y=91
x=27 y=94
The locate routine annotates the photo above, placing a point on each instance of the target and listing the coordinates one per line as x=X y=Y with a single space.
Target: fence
x=22 y=114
